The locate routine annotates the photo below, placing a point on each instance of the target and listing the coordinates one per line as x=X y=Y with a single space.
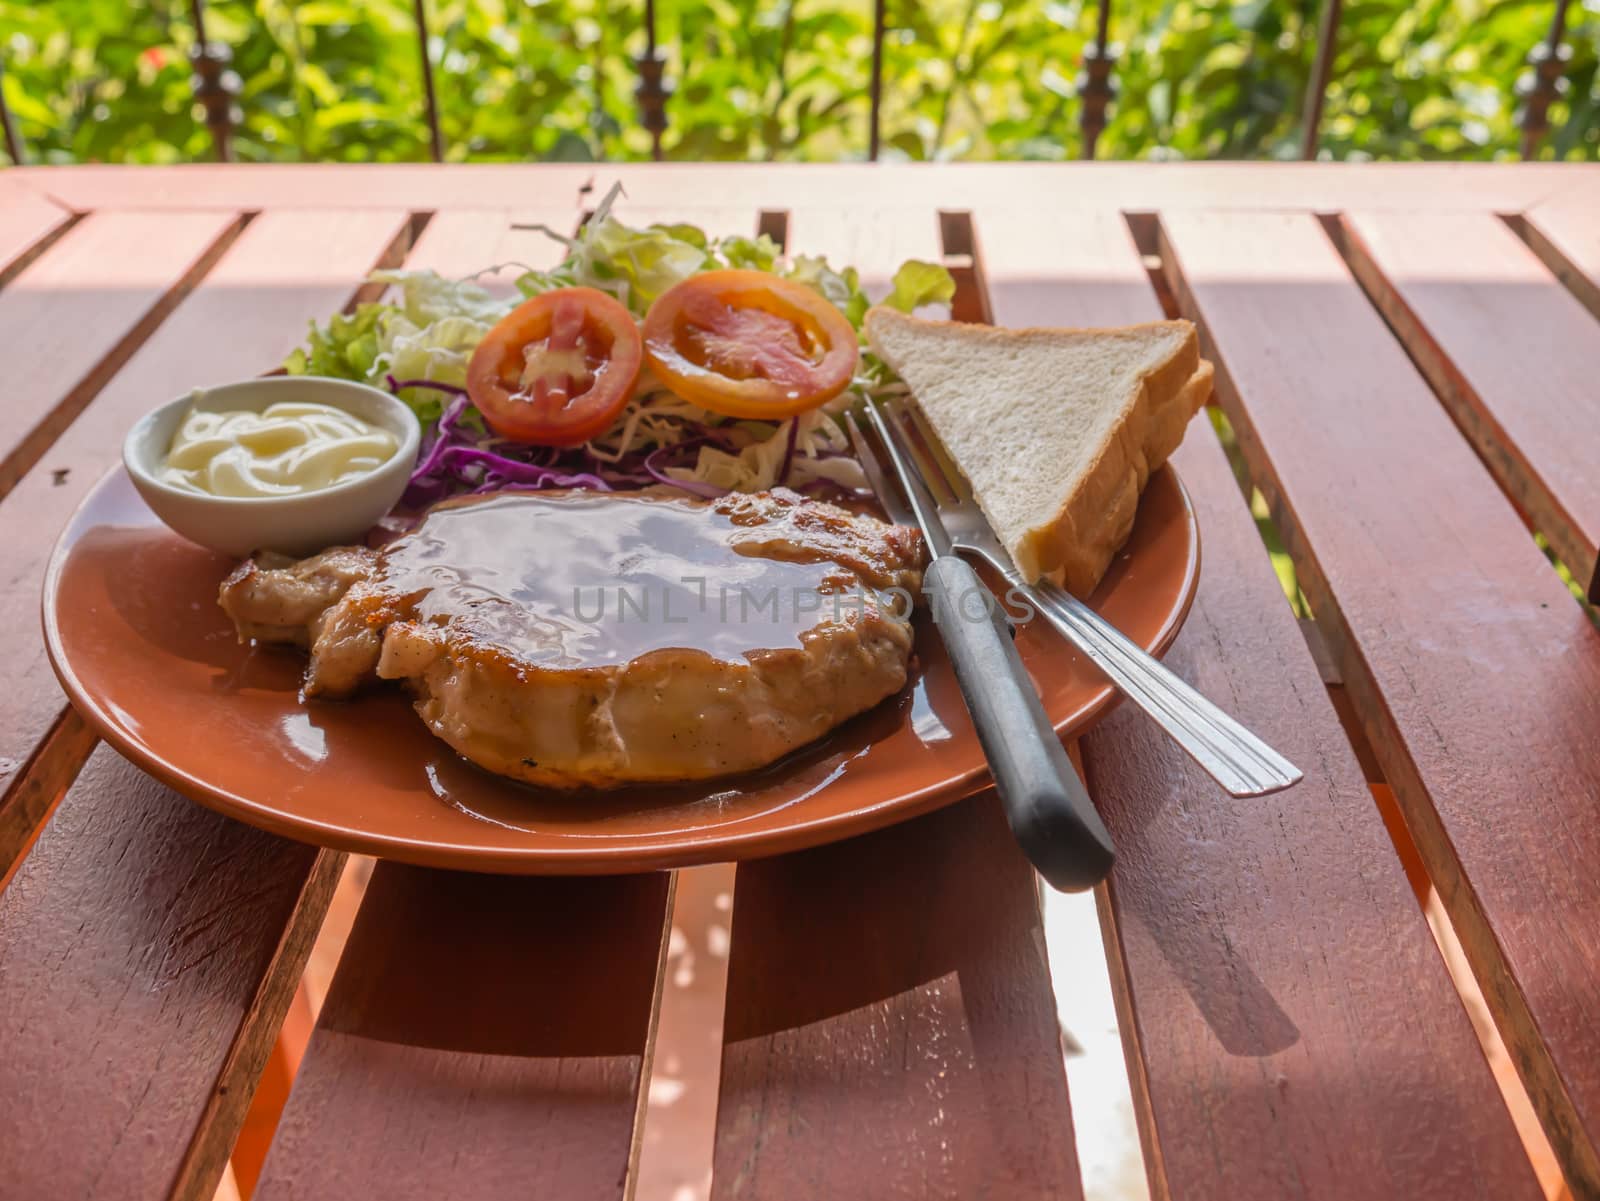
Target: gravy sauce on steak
x=586 y=639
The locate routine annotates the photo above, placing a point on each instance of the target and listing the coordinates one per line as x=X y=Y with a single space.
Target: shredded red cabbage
x=456 y=458
x=788 y=451
x=395 y=385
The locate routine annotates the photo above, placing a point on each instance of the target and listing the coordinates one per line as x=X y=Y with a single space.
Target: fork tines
x=933 y=460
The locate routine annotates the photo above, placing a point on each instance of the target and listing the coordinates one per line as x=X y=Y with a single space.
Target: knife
x=1045 y=802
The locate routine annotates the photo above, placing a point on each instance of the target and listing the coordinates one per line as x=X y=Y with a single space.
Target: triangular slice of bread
x=1058 y=430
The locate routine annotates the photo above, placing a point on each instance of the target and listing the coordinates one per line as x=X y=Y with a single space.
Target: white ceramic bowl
x=296 y=525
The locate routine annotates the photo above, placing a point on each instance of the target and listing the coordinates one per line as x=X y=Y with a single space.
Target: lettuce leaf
x=428 y=332
x=917 y=284
x=638 y=265
x=345 y=348
x=749 y=254
x=427 y=296
x=634 y=265
x=683 y=232
x=842 y=288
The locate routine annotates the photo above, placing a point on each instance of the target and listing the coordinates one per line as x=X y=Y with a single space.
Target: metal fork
x=1229 y=753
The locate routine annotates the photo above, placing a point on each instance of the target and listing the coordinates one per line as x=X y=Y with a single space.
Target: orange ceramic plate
x=142 y=649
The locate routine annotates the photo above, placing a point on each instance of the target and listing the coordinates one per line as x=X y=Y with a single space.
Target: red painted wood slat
x=1291 y=1027
x=484 y=1037
x=1510 y=352
x=27 y=219
x=1072 y=270
x=75 y=314
x=148 y=952
x=1476 y=677
x=465 y=241
x=916 y=186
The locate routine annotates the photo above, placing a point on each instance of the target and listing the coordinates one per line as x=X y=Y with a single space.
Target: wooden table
x=1409 y=358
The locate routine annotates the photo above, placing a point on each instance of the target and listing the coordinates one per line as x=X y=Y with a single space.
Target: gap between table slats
x=241 y=319
x=889 y=1020
x=29 y=224
x=1290 y=1026
x=41 y=783
x=148 y=952
x=1508 y=350
x=1565 y=232
x=1477 y=679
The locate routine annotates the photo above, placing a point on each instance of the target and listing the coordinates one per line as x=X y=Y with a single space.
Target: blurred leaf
x=916 y=284
x=570 y=148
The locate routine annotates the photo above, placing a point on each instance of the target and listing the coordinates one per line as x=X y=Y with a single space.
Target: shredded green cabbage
x=430 y=325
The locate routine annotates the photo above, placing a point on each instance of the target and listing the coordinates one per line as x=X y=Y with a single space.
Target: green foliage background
x=108 y=80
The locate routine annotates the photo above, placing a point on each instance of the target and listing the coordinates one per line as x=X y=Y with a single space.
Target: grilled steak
x=586 y=639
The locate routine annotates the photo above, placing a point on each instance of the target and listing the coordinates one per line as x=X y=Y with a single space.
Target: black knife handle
x=1050 y=812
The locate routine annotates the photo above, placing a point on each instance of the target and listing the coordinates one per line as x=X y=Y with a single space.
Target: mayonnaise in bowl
x=285 y=449
x=290 y=463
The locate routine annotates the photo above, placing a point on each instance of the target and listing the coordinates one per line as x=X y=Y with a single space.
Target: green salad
x=420 y=342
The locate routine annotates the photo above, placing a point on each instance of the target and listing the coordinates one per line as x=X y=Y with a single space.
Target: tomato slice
x=749 y=344
x=557 y=369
